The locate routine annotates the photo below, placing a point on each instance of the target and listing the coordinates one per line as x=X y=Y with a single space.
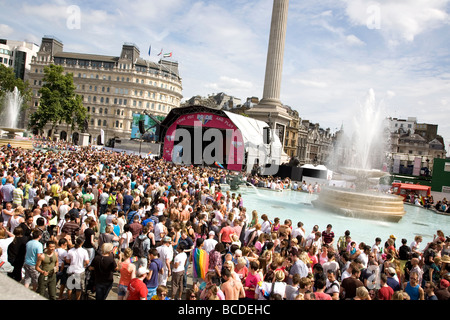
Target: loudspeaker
x=141 y=126
x=266 y=135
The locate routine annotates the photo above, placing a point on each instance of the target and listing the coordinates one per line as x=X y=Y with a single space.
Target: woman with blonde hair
x=254 y=220
x=127 y=271
x=362 y=294
x=400 y=295
x=230 y=266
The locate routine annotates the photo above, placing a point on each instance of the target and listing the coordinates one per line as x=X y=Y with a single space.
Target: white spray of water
x=12 y=103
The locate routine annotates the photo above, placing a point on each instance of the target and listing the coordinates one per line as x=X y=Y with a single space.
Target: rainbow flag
x=218 y=164
x=200 y=263
x=133 y=259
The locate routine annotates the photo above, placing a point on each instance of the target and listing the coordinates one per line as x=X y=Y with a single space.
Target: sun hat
x=391 y=270
x=445 y=258
x=279 y=275
x=141 y=271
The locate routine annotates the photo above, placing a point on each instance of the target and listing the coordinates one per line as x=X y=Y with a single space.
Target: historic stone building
x=112 y=87
x=407 y=147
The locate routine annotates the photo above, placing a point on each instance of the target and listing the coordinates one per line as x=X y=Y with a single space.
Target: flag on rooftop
x=167 y=55
x=160 y=52
x=149 y=50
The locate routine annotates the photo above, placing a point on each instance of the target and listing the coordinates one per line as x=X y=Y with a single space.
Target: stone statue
x=85 y=126
x=234 y=181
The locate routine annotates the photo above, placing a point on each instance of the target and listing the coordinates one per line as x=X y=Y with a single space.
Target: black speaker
x=141 y=126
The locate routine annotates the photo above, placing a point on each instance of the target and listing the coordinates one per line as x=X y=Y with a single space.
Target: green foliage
x=58 y=103
x=8 y=81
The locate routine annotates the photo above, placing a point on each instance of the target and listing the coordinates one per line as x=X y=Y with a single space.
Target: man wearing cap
x=210 y=243
x=166 y=255
x=442 y=292
x=104 y=266
x=137 y=290
x=391 y=282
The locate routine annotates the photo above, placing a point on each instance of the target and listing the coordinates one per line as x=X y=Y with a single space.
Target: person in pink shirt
x=320 y=288
x=251 y=281
x=225 y=234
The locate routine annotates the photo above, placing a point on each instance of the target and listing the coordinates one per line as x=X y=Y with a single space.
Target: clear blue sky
x=336 y=50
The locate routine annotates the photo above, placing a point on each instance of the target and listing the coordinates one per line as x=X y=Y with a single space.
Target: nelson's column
x=270 y=108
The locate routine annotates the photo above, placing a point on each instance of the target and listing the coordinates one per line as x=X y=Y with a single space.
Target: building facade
x=402 y=125
x=405 y=148
x=17 y=55
x=112 y=88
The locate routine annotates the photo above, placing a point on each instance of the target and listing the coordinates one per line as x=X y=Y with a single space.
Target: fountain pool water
x=297 y=206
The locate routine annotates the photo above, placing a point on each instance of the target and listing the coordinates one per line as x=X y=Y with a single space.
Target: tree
x=58 y=103
x=8 y=81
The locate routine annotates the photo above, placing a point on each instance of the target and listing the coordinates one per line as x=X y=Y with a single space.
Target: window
x=99 y=122
x=104 y=123
x=447 y=167
x=106 y=110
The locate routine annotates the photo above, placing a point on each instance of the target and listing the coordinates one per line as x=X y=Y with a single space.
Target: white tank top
x=14 y=221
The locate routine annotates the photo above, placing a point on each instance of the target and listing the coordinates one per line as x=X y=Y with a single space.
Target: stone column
x=274 y=64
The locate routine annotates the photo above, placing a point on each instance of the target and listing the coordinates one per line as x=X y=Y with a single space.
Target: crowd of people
x=72 y=221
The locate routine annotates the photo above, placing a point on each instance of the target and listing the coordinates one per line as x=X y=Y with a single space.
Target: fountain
x=9 y=119
x=355 y=159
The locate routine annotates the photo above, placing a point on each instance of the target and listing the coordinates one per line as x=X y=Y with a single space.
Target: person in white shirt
x=265 y=225
x=64 y=208
x=299 y=231
x=178 y=271
x=209 y=244
x=166 y=256
x=61 y=250
x=78 y=260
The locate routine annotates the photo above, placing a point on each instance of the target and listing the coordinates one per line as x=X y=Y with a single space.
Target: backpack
x=111 y=199
x=255 y=238
x=45 y=237
x=138 y=247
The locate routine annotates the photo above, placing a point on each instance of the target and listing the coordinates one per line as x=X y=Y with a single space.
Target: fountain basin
x=14 y=140
x=367 y=205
